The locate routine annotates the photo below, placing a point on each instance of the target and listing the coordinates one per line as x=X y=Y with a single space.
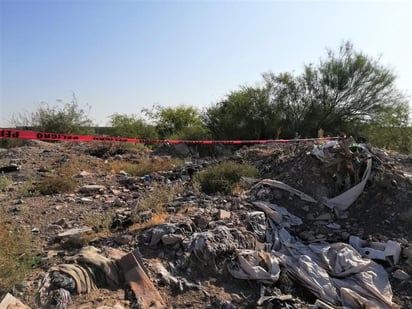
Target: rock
x=171 y=239
x=117 y=306
x=62 y=222
x=400 y=274
x=307 y=235
x=92 y=189
x=86 y=200
x=54 y=228
x=116 y=192
x=75 y=232
x=83 y=174
x=124 y=239
x=35 y=230
x=306 y=208
x=334 y=226
x=407 y=252
x=325 y=216
x=21 y=286
x=223 y=214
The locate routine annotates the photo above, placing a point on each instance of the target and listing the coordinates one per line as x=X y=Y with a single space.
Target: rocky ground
x=103 y=200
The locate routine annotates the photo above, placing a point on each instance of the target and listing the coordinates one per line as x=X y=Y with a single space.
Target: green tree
x=68 y=118
x=344 y=90
x=243 y=114
x=131 y=126
x=176 y=121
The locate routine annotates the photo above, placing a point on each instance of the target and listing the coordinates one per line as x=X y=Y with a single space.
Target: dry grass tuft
x=5 y=182
x=145 y=166
x=156 y=219
x=16 y=254
x=56 y=184
x=27 y=189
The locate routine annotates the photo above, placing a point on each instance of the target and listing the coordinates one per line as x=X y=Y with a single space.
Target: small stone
x=86 y=200
x=400 y=274
x=310 y=217
x=35 y=230
x=92 y=189
x=345 y=235
x=62 y=222
x=83 y=174
x=171 y=239
x=334 y=226
x=307 y=235
x=118 y=202
x=224 y=214
x=75 y=232
x=407 y=252
x=58 y=207
x=325 y=216
x=116 y=192
x=124 y=239
x=54 y=228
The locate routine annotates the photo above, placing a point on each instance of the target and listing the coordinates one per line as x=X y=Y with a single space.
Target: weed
x=145 y=166
x=158 y=197
x=27 y=189
x=155 y=200
x=16 y=254
x=100 y=223
x=56 y=184
x=5 y=182
x=223 y=177
x=11 y=142
x=156 y=219
x=74 y=166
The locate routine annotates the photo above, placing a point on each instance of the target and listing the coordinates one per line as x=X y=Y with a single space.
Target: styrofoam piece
x=389 y=251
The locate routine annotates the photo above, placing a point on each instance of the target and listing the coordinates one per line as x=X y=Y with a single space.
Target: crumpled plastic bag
x=254 y=265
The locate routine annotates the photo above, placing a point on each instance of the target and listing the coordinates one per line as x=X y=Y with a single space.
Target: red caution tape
x=23 y=134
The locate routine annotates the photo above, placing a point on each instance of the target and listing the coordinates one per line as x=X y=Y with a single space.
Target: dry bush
x=16 y=254
x=100 y=222
x=27 y=189
x=56 y=184
x=156 y=219
x=75 y=166
x=144 y=166
x=156 y=201
x=224 y=177
x=5 y=182
x=109 y=149
x=158 y=197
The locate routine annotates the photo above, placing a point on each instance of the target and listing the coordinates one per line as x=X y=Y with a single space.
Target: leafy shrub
x=11 y=142
x=56 y=184
x=68 y=119
x=224 y=177
x=131 y=126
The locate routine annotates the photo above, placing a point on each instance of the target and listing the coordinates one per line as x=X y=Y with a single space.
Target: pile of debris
x=304 y=235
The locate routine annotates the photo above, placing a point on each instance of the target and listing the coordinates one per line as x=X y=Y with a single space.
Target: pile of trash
x=292 y=230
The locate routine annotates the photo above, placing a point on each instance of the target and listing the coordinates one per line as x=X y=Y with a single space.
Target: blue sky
x=122 y=56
